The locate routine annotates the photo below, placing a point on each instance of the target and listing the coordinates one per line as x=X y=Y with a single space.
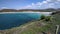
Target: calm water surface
x=16 y=19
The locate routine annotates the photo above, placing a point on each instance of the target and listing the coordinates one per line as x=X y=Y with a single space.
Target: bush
x=42 y=17
x=48 y=18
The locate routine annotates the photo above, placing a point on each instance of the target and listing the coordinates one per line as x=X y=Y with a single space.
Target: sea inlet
x=15 y=19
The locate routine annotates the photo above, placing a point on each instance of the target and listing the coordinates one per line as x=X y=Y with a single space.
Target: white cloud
x=28 y=6
x=33 y=4
x=58 y=0
x=3 y=7
x=48 y=0
x=51 y=5
x=38 y=3
x=43 y=4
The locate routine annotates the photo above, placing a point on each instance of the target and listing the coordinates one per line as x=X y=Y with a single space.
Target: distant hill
x=8 y=10
x=34 y=10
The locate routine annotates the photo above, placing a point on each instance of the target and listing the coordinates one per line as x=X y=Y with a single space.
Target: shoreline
x=25 y=12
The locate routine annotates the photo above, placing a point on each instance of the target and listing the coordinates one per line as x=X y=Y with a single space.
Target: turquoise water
x=16 y=19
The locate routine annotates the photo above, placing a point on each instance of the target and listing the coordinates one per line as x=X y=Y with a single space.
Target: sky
x=29 y=4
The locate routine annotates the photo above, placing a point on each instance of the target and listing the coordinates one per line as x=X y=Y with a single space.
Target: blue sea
x=10 y=20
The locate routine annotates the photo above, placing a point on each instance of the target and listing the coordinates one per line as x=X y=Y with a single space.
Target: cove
x=10 y=20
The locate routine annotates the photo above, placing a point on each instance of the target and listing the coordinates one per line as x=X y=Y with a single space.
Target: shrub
x=48 y=18
x=42 y=17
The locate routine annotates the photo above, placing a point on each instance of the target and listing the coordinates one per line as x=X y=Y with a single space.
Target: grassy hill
x=36 y=27
x=57 y=19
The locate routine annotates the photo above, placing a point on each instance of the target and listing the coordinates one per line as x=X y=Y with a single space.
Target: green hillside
x=30 y=28
x=57 y=19
x=36 y=27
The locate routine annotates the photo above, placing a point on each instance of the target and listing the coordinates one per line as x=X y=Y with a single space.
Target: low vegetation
x=45 y=25
x=46 y=18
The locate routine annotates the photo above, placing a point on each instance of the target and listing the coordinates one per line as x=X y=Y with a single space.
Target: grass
x=35 y=27
x=29 y=28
